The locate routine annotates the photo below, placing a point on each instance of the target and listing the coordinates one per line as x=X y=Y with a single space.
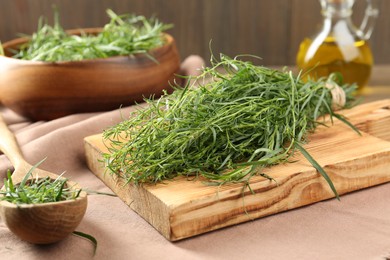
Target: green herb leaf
x=89 y=237
x=318 y=168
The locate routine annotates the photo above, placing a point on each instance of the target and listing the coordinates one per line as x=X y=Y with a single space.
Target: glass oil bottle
x=339 y=46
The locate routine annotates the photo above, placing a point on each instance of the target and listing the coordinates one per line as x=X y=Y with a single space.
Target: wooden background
x=269 y=29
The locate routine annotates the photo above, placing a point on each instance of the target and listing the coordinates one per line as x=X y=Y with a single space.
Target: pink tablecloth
x=357 y=227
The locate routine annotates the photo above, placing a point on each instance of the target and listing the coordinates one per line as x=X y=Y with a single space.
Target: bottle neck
x=337 y=8
x=339 y=23
x=336 y=12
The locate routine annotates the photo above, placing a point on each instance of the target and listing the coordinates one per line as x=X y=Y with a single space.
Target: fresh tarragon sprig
x=232 y=121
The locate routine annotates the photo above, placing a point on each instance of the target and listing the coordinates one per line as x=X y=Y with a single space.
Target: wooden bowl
x=48 y=90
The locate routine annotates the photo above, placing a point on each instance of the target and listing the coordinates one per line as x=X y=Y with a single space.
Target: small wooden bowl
x=48 y=90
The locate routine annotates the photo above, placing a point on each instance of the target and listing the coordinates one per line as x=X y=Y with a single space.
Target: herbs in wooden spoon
x=37 y=190
x=125 y=34
x=228 y=129
x=43 y=190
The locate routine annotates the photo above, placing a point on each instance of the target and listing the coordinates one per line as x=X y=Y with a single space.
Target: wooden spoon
x=42 y=223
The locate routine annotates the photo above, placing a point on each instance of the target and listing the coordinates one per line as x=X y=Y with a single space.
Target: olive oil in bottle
x=353 y=61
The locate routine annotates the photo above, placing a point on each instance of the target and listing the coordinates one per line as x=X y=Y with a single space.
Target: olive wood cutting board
x=182 y=208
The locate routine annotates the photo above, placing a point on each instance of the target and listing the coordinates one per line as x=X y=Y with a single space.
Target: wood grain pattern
x=44 y=223
x=181 y=208
x=269 y=29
